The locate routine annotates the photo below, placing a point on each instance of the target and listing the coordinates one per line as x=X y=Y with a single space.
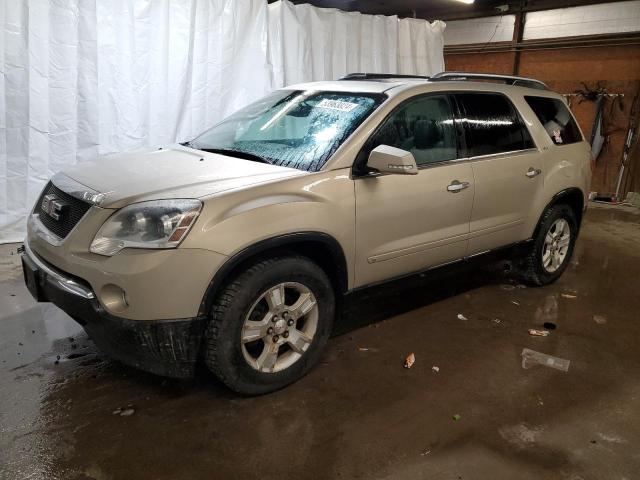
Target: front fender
x=321 y=202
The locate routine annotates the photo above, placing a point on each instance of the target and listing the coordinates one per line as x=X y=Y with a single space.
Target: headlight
x=155 y=224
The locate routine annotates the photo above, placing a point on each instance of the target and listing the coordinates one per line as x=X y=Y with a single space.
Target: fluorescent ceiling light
x=468 y=2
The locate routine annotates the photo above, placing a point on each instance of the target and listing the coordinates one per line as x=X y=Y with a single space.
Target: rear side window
x=492 y=124
x=556 y=119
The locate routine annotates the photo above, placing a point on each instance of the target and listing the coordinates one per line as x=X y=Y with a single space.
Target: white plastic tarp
x=83 y=78
x=308 y=43
x=420 y=47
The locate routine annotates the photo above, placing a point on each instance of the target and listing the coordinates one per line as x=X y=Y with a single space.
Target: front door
x=406 y=223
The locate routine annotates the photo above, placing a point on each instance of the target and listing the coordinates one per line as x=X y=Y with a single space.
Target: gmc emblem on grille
x=53 y=206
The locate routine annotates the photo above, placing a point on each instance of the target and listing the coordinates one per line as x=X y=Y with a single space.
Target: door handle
x=457 y=186
x=533 y=172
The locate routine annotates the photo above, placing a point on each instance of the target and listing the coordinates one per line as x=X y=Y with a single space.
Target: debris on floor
x=457 y=417
x=633 y=199
x=426 y=452
x=520 y=435
x=124 y=412
x=409 y=361
x=538 y=333
x=568 y=295
x=496 y=321
x=531 y=358
x=435 y=368
x=599 y=319
x=507 y=287
x=547 y=311
x=462 y=317
x=611 y=438
x=363 y=349
x=515 y=303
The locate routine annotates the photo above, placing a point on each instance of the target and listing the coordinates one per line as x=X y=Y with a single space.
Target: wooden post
x=518 y=29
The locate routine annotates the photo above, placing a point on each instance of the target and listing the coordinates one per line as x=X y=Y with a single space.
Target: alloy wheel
x=279 y=327
x=556 y=245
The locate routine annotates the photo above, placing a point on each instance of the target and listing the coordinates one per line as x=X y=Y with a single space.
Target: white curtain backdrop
x=308 y=43
x=420 y=47
x=83 y=78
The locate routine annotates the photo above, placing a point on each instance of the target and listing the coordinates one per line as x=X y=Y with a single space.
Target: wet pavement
x=68 y=412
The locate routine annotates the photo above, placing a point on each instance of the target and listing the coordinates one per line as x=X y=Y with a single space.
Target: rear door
x=506 y=167
x=405 y=223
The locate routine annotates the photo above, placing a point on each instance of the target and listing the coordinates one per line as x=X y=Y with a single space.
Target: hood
x=174 y=172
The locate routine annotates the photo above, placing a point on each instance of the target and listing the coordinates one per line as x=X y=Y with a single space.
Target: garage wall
x=480 y=30
x=615 y=17
x=567 y=69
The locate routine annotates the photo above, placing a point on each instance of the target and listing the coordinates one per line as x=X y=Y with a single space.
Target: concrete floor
x=359 y=414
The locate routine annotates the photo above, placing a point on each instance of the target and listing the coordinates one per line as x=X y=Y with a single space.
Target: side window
x=556 y=119
x=424 y=127
x=492 y=124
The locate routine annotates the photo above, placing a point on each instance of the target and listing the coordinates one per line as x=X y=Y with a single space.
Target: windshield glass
x=298 y=129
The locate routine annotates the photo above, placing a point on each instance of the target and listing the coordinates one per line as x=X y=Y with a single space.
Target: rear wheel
x=552 y=247
x=269 y=325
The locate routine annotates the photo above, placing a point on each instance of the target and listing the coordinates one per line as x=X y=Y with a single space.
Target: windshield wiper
x=232 y=153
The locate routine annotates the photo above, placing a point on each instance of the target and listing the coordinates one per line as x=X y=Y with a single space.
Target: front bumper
x=164 y=347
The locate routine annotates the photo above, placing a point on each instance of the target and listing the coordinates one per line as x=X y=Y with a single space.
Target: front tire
x=552 y=246
x=270 y=324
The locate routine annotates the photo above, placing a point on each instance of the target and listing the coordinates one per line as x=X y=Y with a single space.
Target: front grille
x=73 y=211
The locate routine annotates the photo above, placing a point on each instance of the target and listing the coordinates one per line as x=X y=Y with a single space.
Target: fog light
x=113 y=298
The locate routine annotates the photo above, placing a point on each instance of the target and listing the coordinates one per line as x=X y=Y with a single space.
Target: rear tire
x=270 y=324
x=552 y=246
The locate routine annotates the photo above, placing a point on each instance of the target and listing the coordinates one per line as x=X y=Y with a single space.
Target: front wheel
x=552 y=247
x=268 y=326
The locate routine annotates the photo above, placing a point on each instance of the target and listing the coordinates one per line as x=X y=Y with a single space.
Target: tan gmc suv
x=234 y=247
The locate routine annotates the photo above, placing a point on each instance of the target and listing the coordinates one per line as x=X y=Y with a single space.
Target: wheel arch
x=573 y=197
x=320 y=247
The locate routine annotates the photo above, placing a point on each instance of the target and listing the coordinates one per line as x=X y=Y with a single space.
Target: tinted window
x=556 y=119
x=492 y=124
x=424 y=127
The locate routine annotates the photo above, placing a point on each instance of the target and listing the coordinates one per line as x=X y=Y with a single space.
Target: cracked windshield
x=297 y=129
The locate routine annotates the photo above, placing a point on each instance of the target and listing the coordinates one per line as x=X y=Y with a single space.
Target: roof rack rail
x=509 y=80
x=378 y=76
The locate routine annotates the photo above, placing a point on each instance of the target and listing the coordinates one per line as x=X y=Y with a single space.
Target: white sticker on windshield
x=337 y=105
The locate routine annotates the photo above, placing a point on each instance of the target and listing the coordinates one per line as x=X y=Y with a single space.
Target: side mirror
x=386 y=159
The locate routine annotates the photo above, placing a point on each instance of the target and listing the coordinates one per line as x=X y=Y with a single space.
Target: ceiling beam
x=454 y=10
x=488 y=10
